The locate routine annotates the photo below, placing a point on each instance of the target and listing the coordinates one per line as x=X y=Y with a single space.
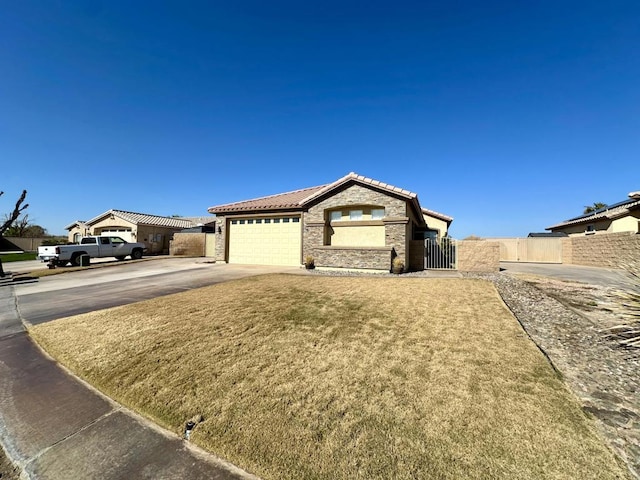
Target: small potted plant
x=309 y=262
x=397 y=266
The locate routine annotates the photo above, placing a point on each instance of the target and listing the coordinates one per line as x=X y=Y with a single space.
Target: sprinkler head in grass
x=188 y=428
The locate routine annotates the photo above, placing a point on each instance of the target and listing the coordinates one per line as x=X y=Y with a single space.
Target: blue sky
x=508 y=116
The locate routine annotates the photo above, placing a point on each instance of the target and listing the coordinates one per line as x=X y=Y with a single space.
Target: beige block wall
x=615 y=250
x=478 y=256
x=188 y=244
x=27 y=244
x=567 y=250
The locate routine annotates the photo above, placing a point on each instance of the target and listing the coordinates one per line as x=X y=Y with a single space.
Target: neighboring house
x=354 y=222
x=153 y=230
x=622 y=217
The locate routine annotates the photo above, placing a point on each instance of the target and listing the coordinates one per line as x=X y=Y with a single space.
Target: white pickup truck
x=95 y=247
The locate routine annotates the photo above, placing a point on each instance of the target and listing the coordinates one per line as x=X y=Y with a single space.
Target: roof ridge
x=363 y=179
x=611 y=211
x=437 y=214
x=266 y=197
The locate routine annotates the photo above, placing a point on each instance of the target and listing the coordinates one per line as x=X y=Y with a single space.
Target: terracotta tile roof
x=281 y=201
x=299 y=198
x=441 y=216
x=145 y=219
x=607 y=213
x=361 y=179
x=79 y=223
x=206 y=220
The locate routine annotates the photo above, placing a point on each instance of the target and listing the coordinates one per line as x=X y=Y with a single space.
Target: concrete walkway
x=56 y=427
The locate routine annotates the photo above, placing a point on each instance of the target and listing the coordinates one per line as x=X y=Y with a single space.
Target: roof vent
x=635 y=195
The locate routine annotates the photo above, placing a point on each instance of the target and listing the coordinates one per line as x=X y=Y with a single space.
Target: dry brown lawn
x=310 y=377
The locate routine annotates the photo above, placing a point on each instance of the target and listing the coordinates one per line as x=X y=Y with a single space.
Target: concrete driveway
x=591 y=275
x=57 y=427
x=73 y=293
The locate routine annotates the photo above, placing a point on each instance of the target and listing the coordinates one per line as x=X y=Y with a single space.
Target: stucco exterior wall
x=625 y=224
x=478 y=256
x=112 y=222
x=628 y=223
x=436 y=224
x=82 y=231
x=616 y=250
x=188 y=244
x=365 y=235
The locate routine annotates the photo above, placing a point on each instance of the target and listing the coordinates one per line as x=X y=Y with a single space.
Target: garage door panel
x=266 y=242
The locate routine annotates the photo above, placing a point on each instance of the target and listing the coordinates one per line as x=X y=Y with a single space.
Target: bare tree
x=19 y=227
x=12 y=217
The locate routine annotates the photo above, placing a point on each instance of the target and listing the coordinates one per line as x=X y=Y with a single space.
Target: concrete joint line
x=71 y=435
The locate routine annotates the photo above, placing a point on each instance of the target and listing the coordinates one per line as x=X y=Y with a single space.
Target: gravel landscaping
x=604 y=376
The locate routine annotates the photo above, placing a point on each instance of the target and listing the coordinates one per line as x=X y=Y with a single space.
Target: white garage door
x=123 y=233
x=265 y=241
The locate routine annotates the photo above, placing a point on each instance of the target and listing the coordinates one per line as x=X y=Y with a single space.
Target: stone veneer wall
x=611 y=250
x=374 y=258
x=478 y=256
x=395 y=221
x=221 y=239
x=188 y=244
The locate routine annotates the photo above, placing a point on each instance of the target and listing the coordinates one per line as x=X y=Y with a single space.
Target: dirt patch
x=7 y=470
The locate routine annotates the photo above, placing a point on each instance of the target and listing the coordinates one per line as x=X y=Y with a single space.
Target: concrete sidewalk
x=56 y=427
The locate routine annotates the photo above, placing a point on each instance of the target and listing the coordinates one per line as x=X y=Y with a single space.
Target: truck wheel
x=75 y=260
x=136 y=254
x=120 y=257
x=60 y=263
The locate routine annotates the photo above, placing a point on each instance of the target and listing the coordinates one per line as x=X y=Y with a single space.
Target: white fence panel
x=440 y=254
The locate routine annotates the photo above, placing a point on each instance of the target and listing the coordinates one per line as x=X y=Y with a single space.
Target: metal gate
x=440 y=254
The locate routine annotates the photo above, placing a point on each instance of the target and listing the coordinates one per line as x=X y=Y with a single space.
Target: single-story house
x=621 y=217
x=153 y=230
x=354 y=222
